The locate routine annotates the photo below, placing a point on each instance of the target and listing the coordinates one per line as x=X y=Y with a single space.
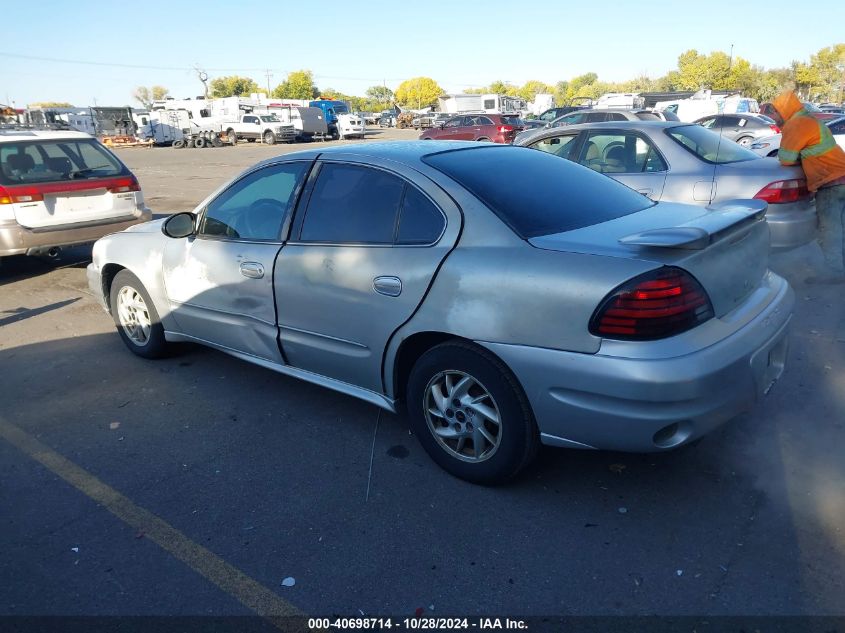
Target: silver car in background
x=684 y=162
x=502 y=296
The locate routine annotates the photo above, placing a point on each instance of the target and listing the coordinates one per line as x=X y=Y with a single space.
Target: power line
x=191 y=68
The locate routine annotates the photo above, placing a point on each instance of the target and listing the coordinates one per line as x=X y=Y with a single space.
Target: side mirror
x=179 y=225
x=258 y=122
x=554 y=141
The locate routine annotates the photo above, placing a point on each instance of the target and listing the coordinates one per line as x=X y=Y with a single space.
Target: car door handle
x=253 y=270
x=389 y=286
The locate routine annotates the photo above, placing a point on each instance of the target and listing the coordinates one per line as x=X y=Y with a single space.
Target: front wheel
x=135 y=316
x=269 y=138
x=470 y=414
x=745 y=141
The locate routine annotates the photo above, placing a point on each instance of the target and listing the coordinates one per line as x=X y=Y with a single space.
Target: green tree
x=298 y=85
x=828 y=68
x=145 y=96
x=233 y=86
x=380 y=94
x=50 y=104
x=500 y=87
x=419 y=92
x=531 y=88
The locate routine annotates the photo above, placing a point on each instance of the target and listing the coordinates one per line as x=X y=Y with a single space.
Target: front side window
x=255 y=207
x=557 y=145
x=352 y=205
x=456 y=122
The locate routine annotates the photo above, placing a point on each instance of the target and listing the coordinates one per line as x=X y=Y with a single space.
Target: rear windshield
x=536 y=193
x=511 y=120
x=648 y=116
x=710 y=146
x=49 y=161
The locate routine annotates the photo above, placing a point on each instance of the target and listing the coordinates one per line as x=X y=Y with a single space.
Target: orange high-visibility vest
x=808 y=141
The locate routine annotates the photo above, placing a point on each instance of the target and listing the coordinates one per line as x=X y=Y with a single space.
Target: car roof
x=8 y=136
x=407 y=152
x=650 y=124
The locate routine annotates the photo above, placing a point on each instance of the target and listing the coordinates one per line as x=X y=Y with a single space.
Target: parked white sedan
x=769 y=145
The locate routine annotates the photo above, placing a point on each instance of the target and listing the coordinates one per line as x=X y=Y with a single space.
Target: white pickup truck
x=266 y=127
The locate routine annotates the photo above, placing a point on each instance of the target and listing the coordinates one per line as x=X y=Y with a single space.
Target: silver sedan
x=684 y=162
x=502 y=296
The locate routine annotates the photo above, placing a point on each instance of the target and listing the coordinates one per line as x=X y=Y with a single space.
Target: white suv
x=62 y=188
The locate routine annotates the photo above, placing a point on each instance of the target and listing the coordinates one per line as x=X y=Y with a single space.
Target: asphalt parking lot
x=197 y=484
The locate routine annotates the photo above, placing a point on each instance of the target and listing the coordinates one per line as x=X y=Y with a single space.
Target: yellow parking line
x=244 y=589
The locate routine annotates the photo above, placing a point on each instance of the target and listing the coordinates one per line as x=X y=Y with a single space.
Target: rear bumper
x=18 y=240
x=791 y=225
x=642 y=404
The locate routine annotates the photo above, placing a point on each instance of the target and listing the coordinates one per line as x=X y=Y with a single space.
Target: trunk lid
x=746 y=178
x=77 y=201
x=725 y=247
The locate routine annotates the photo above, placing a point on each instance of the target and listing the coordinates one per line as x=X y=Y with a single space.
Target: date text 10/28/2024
x=414 y=624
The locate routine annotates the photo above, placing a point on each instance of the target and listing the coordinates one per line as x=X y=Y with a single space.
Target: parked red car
x=499 y=128
x=813 y=111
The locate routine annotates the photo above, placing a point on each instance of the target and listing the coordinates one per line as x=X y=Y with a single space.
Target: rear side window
x=708 y=145
x=511 y=120
x=352 y=205
x=50 y=161
x=648 y=116
x=550 y=196
x=421 y=222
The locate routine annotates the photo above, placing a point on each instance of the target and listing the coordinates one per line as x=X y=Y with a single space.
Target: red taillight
x=35 y=193
x=775 y=128
x=783 y=191
x=123 y=185
x=22 y=193
x=656 y=305
x=505 y=128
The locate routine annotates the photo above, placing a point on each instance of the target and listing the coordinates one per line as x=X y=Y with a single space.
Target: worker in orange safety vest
x=809 y=142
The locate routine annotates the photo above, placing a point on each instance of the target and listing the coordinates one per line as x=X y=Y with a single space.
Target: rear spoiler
x=697 y=234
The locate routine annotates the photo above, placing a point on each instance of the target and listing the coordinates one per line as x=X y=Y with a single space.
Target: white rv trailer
x=487 y=103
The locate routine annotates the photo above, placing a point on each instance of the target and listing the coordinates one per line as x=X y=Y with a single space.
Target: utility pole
x=268 y=74
x=203 y=77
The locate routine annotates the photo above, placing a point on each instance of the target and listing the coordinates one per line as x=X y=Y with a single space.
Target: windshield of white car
x=48 y=161
x=551 y=195
x=270 y=119
x=709 y=146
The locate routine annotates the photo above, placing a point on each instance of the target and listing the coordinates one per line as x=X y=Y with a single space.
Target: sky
x=94 y=53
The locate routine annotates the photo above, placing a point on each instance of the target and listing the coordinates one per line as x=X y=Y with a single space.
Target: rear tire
x=135 y=316
x=233 y=138
x=269 y=138
x=745 y=141
x=199 y=142
x=470 y=414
